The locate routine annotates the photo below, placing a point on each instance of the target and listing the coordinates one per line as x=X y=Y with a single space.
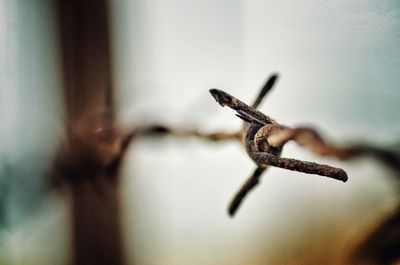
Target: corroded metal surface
x=263 y=139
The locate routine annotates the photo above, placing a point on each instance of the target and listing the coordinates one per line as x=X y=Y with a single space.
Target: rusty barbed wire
x=263 y=139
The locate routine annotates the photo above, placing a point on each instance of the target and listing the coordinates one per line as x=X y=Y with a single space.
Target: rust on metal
x=263 y=139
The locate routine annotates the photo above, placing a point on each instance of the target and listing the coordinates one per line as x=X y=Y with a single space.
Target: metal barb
x=260 y=128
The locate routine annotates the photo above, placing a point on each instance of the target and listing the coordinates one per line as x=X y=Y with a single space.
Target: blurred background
x=338 y=63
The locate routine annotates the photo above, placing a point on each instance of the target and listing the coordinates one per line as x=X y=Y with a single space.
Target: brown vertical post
x=91 y=143
x=86 y=55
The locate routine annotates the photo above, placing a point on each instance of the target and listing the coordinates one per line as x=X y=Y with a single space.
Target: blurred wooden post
x=87 y=82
